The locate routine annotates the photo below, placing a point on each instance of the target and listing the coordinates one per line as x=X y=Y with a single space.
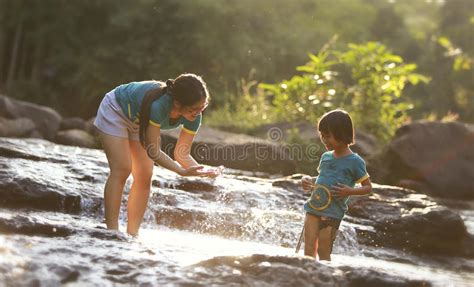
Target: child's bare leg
x=326 y=239
x=311 y=232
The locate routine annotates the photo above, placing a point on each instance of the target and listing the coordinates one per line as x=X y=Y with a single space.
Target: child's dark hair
x=339 y=124
x=186 y=89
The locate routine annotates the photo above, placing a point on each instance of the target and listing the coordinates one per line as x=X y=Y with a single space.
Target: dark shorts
x=328 y=221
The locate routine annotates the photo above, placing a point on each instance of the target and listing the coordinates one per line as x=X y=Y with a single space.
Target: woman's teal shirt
x=130 y=96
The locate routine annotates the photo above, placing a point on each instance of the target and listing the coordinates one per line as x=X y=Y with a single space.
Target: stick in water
x=300 y=240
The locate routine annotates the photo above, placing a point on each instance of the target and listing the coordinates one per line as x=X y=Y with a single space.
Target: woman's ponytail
x=148 y=99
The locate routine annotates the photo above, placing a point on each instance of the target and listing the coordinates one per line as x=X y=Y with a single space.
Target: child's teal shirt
x=348 y=170
x=130 y=96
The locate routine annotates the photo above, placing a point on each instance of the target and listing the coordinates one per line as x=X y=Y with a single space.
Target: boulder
x=365 y=145
x=90 y=128
x=400 y=218
x=16 y=128
x=41 y=175
x=51 y=202
x=267 y=270
x=73 y=124
x=410 y=221
x=46 y=119
x=76 y=138
x=436 y=157
x=215 y=147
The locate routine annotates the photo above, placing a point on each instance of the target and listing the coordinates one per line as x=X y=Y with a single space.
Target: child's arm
x=341 y=190
x=307 y=183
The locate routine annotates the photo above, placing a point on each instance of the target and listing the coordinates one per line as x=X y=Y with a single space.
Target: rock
x=41 y=175
x=214 y=147
x=365 y=145
x=76 y=138
x=73 y=124
x=281 y=132
x=33 y=225
x=90 y=128
x=16 y=128
x=410 y=221
x=51 y=212
x=259 y=269
x=437 y=155
x=46 y=119
x=26 y=192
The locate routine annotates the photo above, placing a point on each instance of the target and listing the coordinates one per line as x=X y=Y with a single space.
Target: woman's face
x=192 y=112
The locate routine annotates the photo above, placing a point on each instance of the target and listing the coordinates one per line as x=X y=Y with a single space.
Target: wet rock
x=293 y=185
x=33 y=225
x=38 y=174
x=46 y=119
x=409 y=221
x=26 y=192
x=76 y=137
x=215 y=147
x=436 y=154
x=290 y=271
x=227 y=225
x=188 y=184
x=288 y=183
x=65 y=274
x=106 y=234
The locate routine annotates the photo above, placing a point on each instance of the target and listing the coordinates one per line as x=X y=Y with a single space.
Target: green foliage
x=379 y=78
x=70 y=53
x=366 y=80
x=244 y=112
x=462 y=61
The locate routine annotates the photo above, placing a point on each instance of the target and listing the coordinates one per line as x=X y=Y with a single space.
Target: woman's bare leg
x=117 y=151
x=142 y=171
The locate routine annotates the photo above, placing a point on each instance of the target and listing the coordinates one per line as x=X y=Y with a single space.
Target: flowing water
x=235 y=230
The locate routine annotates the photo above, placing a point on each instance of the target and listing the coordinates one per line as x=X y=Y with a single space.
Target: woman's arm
x=153 y=149
x=182 y=151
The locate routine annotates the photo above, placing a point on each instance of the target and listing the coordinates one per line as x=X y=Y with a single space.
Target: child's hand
x=307 y=183
x=341 y=190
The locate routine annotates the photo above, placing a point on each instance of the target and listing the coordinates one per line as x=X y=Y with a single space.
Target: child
x=339 y=170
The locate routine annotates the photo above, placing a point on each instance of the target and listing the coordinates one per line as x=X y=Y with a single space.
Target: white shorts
x=112 y=121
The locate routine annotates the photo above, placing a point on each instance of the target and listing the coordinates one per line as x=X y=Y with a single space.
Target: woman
x=129 y=121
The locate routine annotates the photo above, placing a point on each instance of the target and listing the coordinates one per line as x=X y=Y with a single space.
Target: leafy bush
x=366 y=80
x=243 y=112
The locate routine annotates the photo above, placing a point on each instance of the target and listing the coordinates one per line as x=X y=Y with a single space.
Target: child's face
x=329 y=141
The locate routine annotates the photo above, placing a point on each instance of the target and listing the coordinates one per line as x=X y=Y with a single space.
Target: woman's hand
x=341 y=190
x=197 y=171
x=213 y=172
x=307 y=183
